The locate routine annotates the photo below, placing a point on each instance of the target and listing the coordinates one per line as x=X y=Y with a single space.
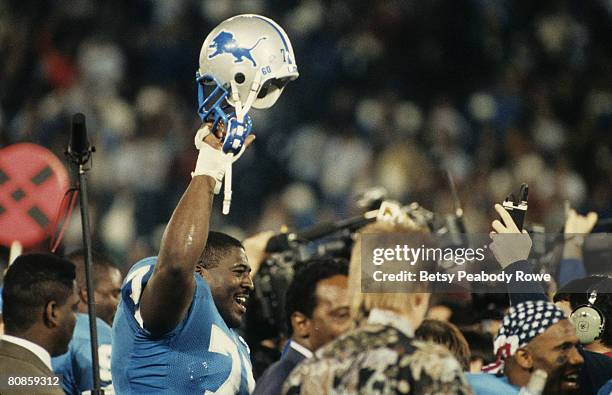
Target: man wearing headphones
x=597 y=368
x=590 y=300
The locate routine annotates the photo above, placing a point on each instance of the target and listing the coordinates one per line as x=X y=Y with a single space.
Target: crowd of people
x=391 y=93
x=178 y=318
x=396 y=94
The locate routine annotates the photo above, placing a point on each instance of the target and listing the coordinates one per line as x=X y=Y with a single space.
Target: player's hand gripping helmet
x=245 y=61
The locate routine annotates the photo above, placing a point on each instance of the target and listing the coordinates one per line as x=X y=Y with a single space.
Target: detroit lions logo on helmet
x=225 y=43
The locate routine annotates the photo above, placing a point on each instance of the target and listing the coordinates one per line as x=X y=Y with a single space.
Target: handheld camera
x=517 y=207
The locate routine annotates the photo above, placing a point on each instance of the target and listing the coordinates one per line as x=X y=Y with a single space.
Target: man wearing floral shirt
x=381 y=356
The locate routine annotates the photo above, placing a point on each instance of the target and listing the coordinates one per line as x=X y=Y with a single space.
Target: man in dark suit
x=317 y=312
x=39 y=310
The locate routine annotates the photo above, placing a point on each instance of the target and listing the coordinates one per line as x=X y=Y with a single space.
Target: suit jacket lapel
x=294 y=356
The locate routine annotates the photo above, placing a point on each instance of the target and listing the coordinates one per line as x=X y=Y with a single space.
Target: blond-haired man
x=381 y=355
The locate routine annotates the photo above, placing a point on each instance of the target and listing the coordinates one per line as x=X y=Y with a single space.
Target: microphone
x=79 y=152
x=371 y=200
x=285 y=241
x=78 y=146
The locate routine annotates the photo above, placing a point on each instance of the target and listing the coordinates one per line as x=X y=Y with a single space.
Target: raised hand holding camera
x=509 y=243
x=517 y=207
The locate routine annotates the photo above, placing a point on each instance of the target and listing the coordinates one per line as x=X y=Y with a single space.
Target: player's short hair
x=217 y=245
x=31 y=282
x=301 y=294
x=101 y=265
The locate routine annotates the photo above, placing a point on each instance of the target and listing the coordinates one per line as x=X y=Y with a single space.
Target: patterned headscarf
x=521 y=324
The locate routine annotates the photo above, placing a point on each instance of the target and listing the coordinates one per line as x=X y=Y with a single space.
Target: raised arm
x=575 y=230
x=168 y=293
x=511 y=248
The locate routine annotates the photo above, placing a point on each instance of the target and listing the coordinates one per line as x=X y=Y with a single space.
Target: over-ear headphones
x=588 y=320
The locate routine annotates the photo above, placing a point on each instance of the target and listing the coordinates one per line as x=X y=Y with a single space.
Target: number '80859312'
x=29 y=381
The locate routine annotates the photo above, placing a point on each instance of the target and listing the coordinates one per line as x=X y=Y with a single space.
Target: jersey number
x=222 y=344
x=104 y=358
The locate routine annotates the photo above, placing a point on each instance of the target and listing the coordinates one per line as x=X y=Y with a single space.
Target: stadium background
x=390 y=93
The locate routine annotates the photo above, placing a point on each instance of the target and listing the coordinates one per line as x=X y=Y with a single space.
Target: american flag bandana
x=521 y=324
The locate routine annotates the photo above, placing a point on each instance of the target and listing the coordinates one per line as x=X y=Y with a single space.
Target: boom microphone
x=285 y=241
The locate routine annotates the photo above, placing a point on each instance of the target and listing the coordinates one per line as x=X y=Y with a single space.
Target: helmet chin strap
x=237 y=133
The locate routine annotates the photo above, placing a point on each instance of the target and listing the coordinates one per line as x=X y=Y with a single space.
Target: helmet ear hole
x=239 y=78
x=271 y=85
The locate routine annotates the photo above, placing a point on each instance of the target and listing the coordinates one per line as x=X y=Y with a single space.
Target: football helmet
x=245 y=61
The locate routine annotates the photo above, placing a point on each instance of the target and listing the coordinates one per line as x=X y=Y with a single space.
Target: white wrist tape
x=211 y=162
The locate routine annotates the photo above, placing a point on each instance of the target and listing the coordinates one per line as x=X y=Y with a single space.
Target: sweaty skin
x=168 y=294
x=555 y=352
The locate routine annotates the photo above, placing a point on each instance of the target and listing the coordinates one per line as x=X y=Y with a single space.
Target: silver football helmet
x=246 y=60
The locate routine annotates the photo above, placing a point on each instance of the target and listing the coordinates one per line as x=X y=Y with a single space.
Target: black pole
x=91 y=302
x=79 y=152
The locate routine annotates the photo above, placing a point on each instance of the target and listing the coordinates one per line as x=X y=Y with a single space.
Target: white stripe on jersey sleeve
x=136 y=282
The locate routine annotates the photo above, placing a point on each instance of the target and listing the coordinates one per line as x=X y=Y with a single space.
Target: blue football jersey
x=200 y=356
x=75 y=365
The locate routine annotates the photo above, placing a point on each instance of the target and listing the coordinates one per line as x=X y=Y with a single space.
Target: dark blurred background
x=390 y=93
